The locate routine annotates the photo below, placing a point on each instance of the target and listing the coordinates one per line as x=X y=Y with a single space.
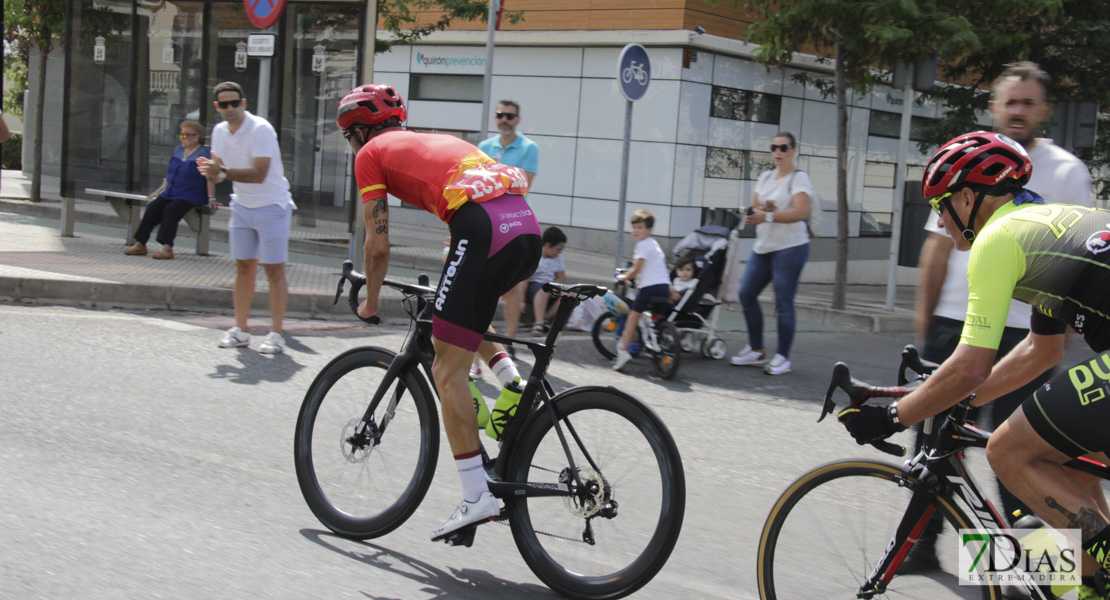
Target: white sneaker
x=622 y=359
x=777 y=366
x=475 y=370
x=273 y=343
x=235 y=338
x=749 y=357
x=484 y=509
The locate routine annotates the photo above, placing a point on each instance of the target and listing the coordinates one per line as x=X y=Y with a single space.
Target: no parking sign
x=264 y=13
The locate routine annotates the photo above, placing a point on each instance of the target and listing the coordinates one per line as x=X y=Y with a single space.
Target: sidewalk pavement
x=38 y=265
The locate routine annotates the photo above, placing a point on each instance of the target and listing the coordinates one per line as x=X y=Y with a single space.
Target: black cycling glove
x=869 y=424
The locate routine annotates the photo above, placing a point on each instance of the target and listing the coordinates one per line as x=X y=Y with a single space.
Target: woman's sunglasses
x=227 y=103
x=188 y=135
x=782 y=148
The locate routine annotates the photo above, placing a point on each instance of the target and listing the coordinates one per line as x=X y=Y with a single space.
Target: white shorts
x=260 y=233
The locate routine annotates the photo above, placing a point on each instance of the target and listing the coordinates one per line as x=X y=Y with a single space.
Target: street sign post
x=633 y=77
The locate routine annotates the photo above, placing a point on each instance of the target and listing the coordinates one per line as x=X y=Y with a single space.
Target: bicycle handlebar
x=860 y=392
x=358 y=280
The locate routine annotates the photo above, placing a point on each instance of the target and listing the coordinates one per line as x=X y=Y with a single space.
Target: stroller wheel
x=714 y=348
x=688 y=341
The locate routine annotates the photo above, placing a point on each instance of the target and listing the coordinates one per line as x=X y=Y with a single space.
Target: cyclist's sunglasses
x=936 y=202
x=506 y=116
x=227 y=103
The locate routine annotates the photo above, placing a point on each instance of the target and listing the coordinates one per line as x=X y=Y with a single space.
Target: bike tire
x=638 y=465
x=369 y=492
x=669 y=356
x=605 y=336
x=830 y=527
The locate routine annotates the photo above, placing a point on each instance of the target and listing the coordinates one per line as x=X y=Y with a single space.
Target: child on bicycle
x=495 y=244
x=649 y=268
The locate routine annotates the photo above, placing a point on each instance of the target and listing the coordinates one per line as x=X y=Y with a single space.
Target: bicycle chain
x=551 y=535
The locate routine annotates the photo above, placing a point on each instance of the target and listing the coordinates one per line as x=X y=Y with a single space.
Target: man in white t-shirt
x=245 y=151
x=1019 y=106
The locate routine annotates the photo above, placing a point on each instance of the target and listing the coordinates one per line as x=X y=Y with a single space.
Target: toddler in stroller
x=698 y=306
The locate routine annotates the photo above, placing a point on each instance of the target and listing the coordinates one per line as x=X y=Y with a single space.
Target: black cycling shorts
x=1072 y=411
x=494 y=246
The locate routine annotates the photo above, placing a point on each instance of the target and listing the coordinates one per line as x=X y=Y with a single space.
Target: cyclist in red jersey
x=495 y=244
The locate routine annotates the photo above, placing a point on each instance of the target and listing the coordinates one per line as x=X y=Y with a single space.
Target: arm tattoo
x=382 y=226
x=1088 y=521
x=381 y=207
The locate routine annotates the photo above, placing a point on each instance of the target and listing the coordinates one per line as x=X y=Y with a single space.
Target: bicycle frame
x=418 y=351
x=939 y=467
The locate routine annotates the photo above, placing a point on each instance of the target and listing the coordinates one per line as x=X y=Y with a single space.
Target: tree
x=1071 y=48
x=403 y=19
x=28 y=25
x=865 y=35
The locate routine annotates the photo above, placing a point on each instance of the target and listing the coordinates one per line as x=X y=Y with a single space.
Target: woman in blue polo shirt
x=183 y=189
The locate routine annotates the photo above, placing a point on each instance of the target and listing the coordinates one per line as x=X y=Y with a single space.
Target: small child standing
x=649 y=267
x=684 y=270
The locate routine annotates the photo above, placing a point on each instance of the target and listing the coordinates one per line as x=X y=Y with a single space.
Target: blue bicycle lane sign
x=633 y=72
x=264 y=13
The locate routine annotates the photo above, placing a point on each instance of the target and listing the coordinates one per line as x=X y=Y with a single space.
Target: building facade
x=700 y=136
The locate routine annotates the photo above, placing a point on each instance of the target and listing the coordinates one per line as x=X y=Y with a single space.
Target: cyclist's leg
x=1064 y=419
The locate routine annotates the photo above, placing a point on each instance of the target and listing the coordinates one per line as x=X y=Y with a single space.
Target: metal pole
x=899 y=192
x=487 y=80
x=264 y=87
x=624 y=181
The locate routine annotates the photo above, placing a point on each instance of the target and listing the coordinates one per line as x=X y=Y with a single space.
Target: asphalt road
x=138 y=460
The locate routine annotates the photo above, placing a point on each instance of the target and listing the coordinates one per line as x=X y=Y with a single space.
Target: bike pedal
x=461 y=537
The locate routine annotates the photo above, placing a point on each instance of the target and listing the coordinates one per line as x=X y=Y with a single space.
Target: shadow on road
x=459 y=584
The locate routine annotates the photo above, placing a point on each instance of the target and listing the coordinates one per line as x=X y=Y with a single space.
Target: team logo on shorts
x=1099 y=241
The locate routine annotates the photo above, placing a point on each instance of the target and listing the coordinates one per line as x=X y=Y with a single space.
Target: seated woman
x=183 y=189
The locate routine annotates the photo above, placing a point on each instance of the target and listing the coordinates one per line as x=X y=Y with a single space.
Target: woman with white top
x=780 y=207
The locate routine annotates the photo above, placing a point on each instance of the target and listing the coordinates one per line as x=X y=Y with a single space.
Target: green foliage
x=877 y=34
x=28 y=24
x=11 y=152
x=399 y=18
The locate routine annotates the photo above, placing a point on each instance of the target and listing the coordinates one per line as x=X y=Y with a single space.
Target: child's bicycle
x=591 y=479
x=845 y=528
x=656 y=336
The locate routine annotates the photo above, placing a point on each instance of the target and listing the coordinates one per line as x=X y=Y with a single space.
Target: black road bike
x=844 y=529
x=592 y=481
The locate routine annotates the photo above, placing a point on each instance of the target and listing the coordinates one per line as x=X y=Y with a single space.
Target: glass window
x=451 y=88
x=100 y=95
x=889 y=125
x=878 y=175
x=744 y=105
x=727 y=163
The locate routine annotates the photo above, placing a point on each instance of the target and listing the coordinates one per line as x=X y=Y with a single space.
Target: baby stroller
x=695 y=314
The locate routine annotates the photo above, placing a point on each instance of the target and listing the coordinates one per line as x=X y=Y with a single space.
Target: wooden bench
x=129 y=208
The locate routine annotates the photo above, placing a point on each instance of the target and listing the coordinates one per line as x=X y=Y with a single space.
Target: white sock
x=473 y=476
x=503 y=367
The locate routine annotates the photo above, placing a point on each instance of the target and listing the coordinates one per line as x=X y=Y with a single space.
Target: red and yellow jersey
x=436 y=172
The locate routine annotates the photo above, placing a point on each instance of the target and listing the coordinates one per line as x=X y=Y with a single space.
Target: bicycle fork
x=905 y=536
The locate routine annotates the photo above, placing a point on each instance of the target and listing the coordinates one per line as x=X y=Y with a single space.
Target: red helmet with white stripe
x=983 y=159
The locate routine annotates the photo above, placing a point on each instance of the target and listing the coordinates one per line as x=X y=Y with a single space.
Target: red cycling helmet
x=368 y=105
x=982 y=158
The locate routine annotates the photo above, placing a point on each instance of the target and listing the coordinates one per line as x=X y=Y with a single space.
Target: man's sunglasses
x=227 y=103
x=506 y=116
x=782 y=148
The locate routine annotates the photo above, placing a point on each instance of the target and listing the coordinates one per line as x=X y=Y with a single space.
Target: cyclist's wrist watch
x=893 y=408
